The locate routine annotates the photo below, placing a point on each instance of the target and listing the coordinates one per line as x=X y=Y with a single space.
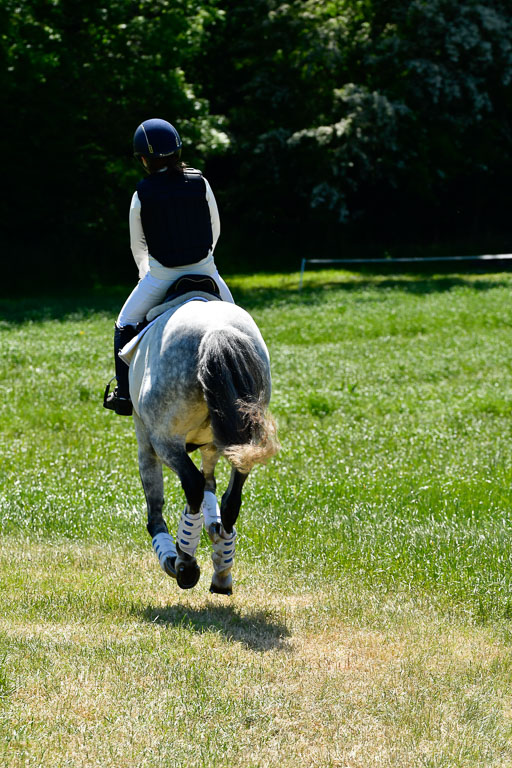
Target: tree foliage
x=78 y=78
x=323 y=113
x=349 y=102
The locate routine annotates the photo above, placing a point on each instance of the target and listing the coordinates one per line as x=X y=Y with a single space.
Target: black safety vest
x=176 y=217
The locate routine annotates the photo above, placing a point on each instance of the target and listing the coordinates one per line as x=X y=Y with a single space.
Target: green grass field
x=370 y=623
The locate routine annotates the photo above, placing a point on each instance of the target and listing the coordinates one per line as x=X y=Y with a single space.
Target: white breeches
x=151 y=290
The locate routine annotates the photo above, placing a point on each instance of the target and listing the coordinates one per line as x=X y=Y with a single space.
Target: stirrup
x=111 y=400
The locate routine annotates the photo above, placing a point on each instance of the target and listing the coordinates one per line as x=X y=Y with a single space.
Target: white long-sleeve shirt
x=138 y=242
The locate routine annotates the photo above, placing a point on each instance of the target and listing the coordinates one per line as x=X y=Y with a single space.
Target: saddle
x=188 y=283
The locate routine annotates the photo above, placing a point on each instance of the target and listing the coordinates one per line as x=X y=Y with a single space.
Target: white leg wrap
x=164 y=546
x=211 y=513
x=189 y=531
x=224 y=552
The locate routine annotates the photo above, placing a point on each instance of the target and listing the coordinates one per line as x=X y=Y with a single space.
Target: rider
x=174 y=227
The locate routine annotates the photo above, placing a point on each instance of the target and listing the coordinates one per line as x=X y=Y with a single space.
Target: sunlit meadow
x=369 y=623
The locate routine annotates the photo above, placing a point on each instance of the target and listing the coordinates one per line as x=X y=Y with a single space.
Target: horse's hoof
x=215 y=590
x=169 y=566
x=187 y=573
x=222 y=586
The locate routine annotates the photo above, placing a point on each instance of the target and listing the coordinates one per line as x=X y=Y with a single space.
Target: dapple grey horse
x=200 y=379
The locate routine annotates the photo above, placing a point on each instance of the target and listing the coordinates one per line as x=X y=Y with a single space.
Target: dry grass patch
x=106 y=663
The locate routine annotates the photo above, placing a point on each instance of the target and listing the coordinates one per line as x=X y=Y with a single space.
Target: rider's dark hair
x=172 y=162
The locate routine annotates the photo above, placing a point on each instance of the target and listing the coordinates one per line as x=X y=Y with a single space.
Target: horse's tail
x=235 y=382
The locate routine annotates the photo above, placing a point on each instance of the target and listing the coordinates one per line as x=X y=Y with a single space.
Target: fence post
x=302 y=268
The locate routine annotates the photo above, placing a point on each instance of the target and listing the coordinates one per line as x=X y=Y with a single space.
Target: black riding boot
x=119 y=400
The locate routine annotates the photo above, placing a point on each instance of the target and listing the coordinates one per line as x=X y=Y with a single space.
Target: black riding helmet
x=156 y=138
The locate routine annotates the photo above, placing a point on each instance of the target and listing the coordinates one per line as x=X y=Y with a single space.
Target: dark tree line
x=325 y=126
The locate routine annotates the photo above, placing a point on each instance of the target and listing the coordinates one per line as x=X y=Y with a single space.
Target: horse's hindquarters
x=201 y=378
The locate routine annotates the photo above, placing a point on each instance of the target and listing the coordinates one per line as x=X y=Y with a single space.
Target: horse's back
x=200 y=316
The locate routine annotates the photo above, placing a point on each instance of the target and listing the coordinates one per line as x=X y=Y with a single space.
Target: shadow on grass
x=44 y=308
x=257 y=630
x=108 y=300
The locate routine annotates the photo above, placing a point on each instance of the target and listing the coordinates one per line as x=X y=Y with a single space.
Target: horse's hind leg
x=209 y=458
x=232 y=499
x=212 y=520
x=150 y=468
x=173 y=453
x=223 y=535
x=210 y=507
